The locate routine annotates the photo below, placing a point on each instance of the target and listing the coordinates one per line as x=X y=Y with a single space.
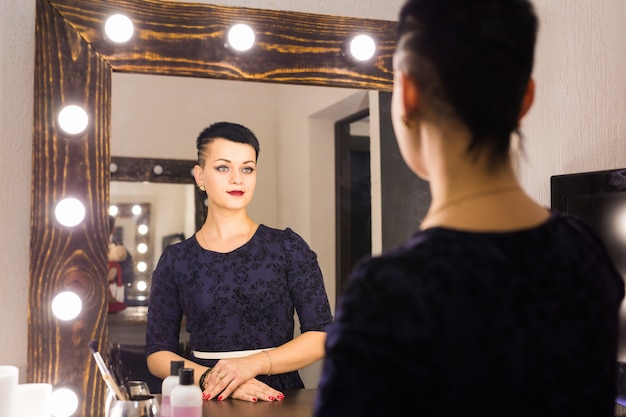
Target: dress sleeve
x=306 y=285
x=164 y=310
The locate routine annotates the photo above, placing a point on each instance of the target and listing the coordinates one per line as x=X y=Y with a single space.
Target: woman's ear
x=197 y=174
x=409 y=95
x=527 y=101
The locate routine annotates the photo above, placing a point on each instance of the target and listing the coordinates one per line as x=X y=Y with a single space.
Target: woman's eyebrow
x=229 y=161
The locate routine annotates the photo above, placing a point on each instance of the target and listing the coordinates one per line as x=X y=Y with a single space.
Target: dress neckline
x=231 y=251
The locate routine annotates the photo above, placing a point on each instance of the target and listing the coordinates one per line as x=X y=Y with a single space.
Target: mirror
x=145 y=124
x=154 y=203
x=170 y=38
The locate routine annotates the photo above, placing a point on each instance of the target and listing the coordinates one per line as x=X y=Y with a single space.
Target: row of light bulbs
x=240 y=38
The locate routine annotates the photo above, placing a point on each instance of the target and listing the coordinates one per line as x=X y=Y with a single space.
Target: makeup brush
x=106 y=374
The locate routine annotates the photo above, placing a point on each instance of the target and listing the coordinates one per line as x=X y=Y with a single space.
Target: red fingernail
x=271 y=398
x=280 y=397
x=206 y=396
x=219 y=398
x=254 y=399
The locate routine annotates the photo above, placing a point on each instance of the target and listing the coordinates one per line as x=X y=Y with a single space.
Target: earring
x=201 y=187
x=406 y=121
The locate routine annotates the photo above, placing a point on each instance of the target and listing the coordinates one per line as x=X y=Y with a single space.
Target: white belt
x=227 y=355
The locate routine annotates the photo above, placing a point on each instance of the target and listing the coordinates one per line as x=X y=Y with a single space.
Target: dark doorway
x=353 y=195
x=405 y=197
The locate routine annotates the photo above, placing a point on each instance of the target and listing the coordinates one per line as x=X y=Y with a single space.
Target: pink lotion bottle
x=168 y=384
x=186 y=397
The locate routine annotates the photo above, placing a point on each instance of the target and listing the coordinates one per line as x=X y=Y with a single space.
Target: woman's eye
x=222 y=168
x=247 y=170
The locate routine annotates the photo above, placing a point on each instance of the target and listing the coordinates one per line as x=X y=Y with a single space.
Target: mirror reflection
x=160 y=117
x=148 y=216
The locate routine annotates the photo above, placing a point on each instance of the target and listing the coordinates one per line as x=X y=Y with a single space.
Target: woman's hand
x=236 y=378
x=255 y=390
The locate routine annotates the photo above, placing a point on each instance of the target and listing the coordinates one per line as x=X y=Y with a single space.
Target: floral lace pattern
x=240 y=300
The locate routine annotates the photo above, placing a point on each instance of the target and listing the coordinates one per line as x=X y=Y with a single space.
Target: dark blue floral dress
x=240 y=300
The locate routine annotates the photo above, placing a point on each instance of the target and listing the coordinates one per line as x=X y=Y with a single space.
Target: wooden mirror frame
x=73 y=65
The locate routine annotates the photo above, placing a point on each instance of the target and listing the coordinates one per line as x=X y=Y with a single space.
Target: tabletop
x=297 y=403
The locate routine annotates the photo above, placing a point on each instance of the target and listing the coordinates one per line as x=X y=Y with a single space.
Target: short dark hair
x=226 y=130
x=472 y=60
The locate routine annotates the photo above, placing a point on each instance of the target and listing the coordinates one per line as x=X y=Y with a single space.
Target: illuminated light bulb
x=142 y=248
x=113 y=210
x=66 y=305
x=362 y=48
x=136 y=210
x=142 y=286
x=142 y=266
x=73 y=119
x=64 y=402
x=240 y=37
x=69 y=212
x=119 y=28
x=142 y=229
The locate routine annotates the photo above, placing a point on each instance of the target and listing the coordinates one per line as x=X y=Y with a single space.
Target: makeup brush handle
x=108 y=378
x=114 y=387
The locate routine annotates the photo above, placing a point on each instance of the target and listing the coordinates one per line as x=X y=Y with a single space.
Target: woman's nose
x=236 y=178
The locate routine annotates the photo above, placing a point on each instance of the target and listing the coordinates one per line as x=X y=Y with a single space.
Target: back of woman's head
x=226 y=130
x=472 y=60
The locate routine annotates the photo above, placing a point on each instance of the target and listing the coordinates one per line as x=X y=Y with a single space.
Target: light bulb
x=142 y=248
x=73 y=119
x=64 y=402
x=119 y=28
x=66 y=305
x=362 y=48
x=142 y=266
x=69 y=212
x=241 y=37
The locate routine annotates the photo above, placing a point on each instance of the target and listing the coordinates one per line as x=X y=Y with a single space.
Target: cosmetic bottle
x=168 y=384
x=186 y=397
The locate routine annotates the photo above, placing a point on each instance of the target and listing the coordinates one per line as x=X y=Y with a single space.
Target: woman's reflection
x=121 y=270
x=238 y=284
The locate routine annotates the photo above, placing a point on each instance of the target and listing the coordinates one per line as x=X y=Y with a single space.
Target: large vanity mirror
x=74 y=65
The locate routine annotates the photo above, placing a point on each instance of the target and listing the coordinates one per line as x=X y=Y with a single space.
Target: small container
x=186 y=398
x=135 y=388
x=168 y=384
x=141 y=406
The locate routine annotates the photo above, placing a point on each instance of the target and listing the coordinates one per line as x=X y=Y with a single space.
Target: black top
x=478 y=324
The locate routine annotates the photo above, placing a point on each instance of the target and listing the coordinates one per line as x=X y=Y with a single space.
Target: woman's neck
x=469 y=192
x=225 y=232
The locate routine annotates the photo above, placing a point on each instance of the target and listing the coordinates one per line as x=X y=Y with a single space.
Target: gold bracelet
x=269 y=358
x=204 y=375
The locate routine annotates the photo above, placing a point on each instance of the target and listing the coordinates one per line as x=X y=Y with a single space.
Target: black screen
x=599 y=199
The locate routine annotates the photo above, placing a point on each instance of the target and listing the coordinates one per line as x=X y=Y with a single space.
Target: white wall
x=578 y=122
